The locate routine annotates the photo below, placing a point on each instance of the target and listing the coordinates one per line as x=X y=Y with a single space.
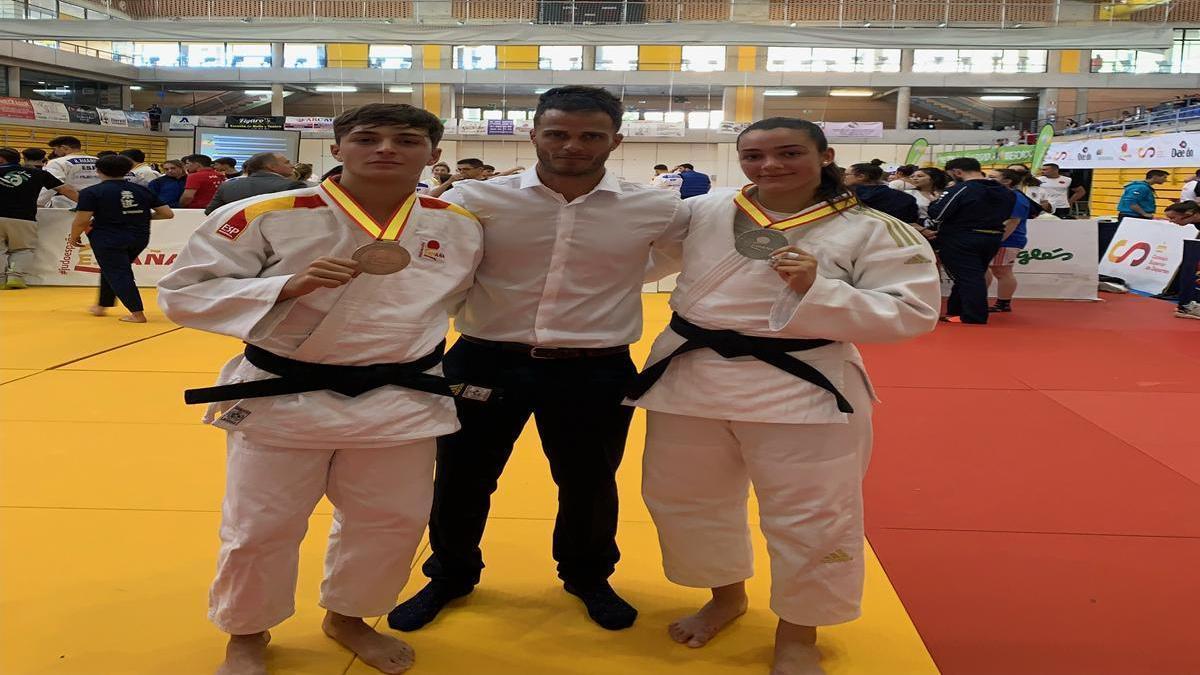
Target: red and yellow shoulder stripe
x=233 y=227
x=435 y=203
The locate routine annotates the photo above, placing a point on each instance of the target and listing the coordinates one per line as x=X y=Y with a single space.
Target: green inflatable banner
x=916 y=151
x=1043 y=144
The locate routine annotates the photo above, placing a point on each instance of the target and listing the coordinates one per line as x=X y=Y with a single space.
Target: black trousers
x=576 y=404
x=966 y=256
x=115 y=254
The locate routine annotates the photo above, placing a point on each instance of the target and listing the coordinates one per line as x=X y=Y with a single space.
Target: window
x=631 y=116
x=705 y=119
x=122 y=51
x=163 y=54
x=704 y=59
x=1182 y=57
x=204 y=55
x=618 y=57
x=979 y=60
x=676 y=116
x=41 y=9
x=52 y=44
x=517 y=115
x=480 y=57
x=66 y=9
x=560 y=58
x=493 y=114
x=94 y=15
x=390 y=56
x=250 y=55
x=805 y=59
x=12 y=9
x=1186 y=57
x=653 y=116
x=472 y=114
x=300 y=55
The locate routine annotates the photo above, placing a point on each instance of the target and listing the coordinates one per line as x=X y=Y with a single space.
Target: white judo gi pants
x=381 y=499
x=808 y=479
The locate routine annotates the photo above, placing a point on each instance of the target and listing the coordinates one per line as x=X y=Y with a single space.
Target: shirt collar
x=609 y=183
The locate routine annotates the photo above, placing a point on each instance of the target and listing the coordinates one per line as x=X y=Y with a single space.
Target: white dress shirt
x=1188 y=193
x=559 y=274
x=1056 y=191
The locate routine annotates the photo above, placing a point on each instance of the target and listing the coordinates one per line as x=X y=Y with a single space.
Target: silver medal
x=382 y=257
x=759 y=243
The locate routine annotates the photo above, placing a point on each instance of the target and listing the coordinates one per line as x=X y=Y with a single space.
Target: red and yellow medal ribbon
x=809 y=215
x=387 y=232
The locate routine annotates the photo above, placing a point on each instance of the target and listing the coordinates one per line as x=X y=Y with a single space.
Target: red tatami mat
x=1034 y=604
x=1035 y=485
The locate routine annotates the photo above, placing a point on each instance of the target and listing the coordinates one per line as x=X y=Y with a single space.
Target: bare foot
x=695 y=630
x=97 y=310
x=134 y=317
x=246 y=655
x=796 y=650
x=382 y=652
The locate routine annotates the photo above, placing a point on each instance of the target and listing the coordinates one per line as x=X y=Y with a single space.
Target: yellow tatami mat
x=110 y=494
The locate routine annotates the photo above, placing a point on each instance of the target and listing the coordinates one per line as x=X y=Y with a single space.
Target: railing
x=1116 y=120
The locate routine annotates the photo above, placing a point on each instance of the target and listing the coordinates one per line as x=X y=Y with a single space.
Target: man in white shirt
x=1056 y=188
x=1188 y=194
x=555 y=304
x=142 y=174
x=71 y=166
x=664 y=179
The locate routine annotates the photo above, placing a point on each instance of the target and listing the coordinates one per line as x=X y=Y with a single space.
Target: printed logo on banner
x=1183 y=151
x=1140 y=247
x=87 y=261
x=432 y=250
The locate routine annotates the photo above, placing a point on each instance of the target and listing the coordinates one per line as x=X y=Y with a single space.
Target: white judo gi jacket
x=876 y=282
x=228 y=276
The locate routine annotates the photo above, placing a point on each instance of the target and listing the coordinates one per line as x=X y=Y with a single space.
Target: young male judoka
x=757 y=382
x=319 y=282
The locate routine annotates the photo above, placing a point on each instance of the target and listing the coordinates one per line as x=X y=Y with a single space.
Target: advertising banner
x=1043 y=144
x=1146 y=253
x=853 y=129
x=916 y=151
x=17 y=108
x=472 y=127
x=112 y=118
x=1131 y=152
x=1059 y=262
x=499 y=127
x=83 y=114
x=140 y=120
x=309 y=123
x=1189 y=272
x=182 y=122
x=50 y=111
x=247 y=122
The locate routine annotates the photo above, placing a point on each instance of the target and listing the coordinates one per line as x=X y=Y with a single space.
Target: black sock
x=1003 y=303
x=423 y=607
x=603 y=604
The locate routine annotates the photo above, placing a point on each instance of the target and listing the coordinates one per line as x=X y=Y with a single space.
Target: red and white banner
x=1150 y=152
x=17 y=108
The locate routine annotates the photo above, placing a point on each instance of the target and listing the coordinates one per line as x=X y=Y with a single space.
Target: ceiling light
x=861 y=93
x=866 y=24
x=52 y=92
x=541 y=90
x=135 y=88
x=335 y=88
x=942 y=25
x=1003 y=97
x=781 y=92
x=258 y=92
x=792 y=24
x=400 y=89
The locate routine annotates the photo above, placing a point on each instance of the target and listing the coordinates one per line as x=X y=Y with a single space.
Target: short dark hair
x=259 y=162
x=176 y=162
x=114 y=165
x=664 y=167
x=69 y=141
x=202 y=160
x=10 y=155
x=1152 y=173
x=488 y=167
x=384 y=114
x=937 y=178
x=227 y=161
x=1189 y=207
x=831 y=188
x=579 y=98
x=38 y=154
x=687 y=166
x=906 y=170
x=1050 y=164
x=136 y=155
x=964 y=164
x=871 y=171
x=335 y=171
x=105 y=153
x=471 y=162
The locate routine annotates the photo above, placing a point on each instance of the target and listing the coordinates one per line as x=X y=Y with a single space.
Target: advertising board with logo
x=1161 y=151
x=1058 y=263
x=1146 y=253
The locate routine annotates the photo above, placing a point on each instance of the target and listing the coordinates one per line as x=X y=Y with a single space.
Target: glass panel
x=493 y=114
x=675 y=116
x=563 y=57
x=715 y=117
x=805 y=59
x=156 y=54
x=12 y=9
x=653 y=116
x=42 y=9
x=300 y=55
x=480 y=57
x=123 y=52
x=390 y=56
x=881 y=60
x=204 y=54
x=631 y=116
x=935 y=60
x=67 y=9
x=250 y=55
x=52 y=44
x=1187 y=52
x=473 y=114
x=617 y=57
x=703 y=59
x=515 y=115
x=97 y=16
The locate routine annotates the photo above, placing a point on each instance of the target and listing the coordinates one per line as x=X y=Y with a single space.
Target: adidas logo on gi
x=838 y=556
x=917 y=259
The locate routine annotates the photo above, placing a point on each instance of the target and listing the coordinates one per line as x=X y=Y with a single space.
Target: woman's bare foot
x=382 y=652
x=695 y=630
x=796 y=650
x=97 y=310
x=246 y=655
x=134 y=317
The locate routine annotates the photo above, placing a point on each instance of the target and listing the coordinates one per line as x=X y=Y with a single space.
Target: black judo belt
x=296 y=377
x=731 y=344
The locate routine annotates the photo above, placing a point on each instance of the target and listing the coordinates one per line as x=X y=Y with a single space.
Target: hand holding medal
x=324 y=272
x=795 y=266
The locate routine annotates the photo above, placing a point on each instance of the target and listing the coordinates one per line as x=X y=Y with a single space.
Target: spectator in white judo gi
x=757 y=381
x=319 y=282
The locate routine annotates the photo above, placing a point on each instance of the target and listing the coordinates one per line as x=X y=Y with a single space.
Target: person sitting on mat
x=116 y=215
x=343 y=287
x=809 y=273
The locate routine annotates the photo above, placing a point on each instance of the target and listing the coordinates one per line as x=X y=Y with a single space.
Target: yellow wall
x=1108 y=184
x=517 y=57
x=743 y=109
x=432 y=56
x=1070 y=61
x=346 y=55
x=431 y=98
x=660 y=57
x=747 y=58
x=21 y=137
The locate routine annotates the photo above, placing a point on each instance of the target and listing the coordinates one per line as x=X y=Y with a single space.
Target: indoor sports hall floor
x=1032 y=499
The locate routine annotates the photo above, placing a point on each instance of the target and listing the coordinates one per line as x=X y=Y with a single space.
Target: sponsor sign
x=50 y=111
x=853 y=129
x=58 y=264
x=472 y=127
x=138 y=119
x=499 y=127
x=309 y=123
x=1146 y=253
x=113 y=118
x=1189 y=273
x=18 y=108
x=1059 y=262
x=916 y=151
x=246 y=122
x=1150 y=152
x=83 y=114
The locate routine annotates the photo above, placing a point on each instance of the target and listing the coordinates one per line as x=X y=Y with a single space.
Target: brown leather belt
x=535 y=352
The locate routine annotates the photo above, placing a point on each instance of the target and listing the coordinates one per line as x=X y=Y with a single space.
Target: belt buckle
x=542 y=353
